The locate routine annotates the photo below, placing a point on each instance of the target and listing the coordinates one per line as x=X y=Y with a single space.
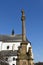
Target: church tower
x=24 y=57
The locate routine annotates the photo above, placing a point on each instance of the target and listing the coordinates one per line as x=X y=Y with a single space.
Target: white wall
x=11 y=61
x=12 y=45
x=0 y=45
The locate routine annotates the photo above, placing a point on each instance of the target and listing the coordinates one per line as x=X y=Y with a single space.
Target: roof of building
x=8 y=53
x=11 y=38
x=39 y=63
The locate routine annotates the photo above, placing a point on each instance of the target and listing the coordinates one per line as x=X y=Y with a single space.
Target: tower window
x=7 y=47
x=13 y=59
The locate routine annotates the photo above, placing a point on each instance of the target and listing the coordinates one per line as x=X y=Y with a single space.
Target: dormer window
x=7 y=47
x=13 y=58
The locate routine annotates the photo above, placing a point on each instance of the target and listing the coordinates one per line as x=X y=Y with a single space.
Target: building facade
x=9 y=47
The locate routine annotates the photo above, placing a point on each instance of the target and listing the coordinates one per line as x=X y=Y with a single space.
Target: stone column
x=23 y=27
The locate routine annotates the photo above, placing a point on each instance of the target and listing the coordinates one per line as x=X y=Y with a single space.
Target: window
x=13 y=59
x=6 y=59
x=7 y=47
x=13 y=64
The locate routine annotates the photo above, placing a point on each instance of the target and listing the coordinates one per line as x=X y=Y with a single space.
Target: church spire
x=12 y=31
x=23 y=27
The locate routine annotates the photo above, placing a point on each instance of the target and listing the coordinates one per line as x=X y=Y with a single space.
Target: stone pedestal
x=24 y=57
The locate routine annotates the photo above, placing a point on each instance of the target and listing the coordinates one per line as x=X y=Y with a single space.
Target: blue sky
x=10 y=18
